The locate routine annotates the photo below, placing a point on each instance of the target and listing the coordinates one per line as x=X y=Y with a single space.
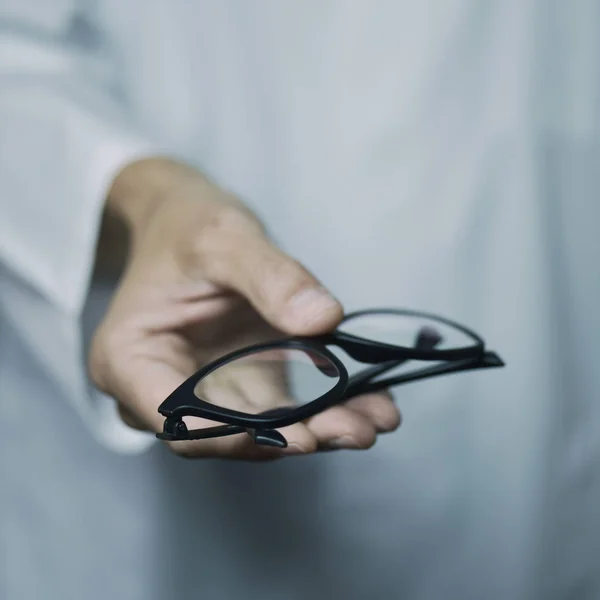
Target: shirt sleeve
x=65 y=132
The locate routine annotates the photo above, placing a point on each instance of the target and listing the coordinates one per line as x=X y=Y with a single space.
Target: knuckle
x=287 y=277
x=233 y=217
x=227 y=221
x=217 y=236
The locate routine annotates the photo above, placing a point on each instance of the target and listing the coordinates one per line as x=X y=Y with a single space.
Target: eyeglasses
x=304 y=376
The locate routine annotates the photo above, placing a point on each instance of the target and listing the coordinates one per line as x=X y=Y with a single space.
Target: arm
x=63 y=137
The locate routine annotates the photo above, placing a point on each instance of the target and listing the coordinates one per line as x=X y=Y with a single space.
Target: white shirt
x=440 y=155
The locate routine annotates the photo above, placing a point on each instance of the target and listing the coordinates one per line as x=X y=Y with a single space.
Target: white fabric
x=63 y=137
x=441 y=155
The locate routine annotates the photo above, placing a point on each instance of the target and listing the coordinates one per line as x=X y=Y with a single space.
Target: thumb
x=282 y=291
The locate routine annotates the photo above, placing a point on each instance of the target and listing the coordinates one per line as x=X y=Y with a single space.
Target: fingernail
x=345 y=442
x=293 y=450
x=312 y=302
x=386 y=424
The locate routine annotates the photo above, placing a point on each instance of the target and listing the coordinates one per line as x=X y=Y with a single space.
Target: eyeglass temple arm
x=487 y=361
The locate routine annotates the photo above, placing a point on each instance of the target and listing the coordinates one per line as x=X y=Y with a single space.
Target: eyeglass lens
x=266 y=379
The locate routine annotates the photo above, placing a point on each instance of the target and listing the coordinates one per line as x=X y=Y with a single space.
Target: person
x=266 y=160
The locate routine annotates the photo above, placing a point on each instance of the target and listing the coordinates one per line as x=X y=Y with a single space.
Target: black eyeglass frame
x=383 y=357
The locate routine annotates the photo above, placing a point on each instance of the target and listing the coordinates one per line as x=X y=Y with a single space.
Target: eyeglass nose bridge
x=367 y=351
x=364 y=351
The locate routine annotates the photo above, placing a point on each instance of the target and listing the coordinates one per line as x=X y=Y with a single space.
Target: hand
x=203 y=278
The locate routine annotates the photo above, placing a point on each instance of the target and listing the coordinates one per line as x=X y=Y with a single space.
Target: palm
x=172 y=351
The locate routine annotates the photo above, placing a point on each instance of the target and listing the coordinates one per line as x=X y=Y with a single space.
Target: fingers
x=300 y=439
x=280 y=289
x=242 y=447
x=202 y=236
x=341 y=428
x=355 y=424
x=142 y=382
x=379 y=409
